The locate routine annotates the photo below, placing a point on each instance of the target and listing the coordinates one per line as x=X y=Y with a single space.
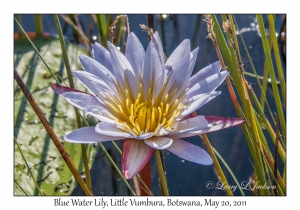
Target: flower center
x=142 y=115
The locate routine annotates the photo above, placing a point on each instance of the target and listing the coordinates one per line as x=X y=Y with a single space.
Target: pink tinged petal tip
x=190 y=152
x=87 y=135
x=134 y=157
x=59 y=89
x=205 y=124
x=83 y=101
x=158 y=142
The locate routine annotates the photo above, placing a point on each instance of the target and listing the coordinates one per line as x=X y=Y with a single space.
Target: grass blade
x=272 y=74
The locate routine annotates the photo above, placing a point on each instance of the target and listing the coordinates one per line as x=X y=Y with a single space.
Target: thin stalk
x=265 y=76
x=272 y=74
x=102 y=29
x=228 y=56
x=136 y=186
x=229 y=170
x=52 y=134
x=271 y=165
x=77 y=22
x=117 y=169
x=38 y=25
x=246 y=104
x=35 y=183
x=19 y=28
x=255 y=73
x=277 y=57
x=162 y=29
x=161 y=174
x=258 y=77
x=267 y=124
x=276 y=152
x=69 y=21
x=277 y=186
x=20 y=187
x=217 y=165
x=37 y=51
x=69 y=73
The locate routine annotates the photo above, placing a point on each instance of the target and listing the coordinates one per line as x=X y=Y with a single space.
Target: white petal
x=102 y=56
x=93 y=83
x=134 y=157
x=178 y=63
x=204 y=124
x=204 y=73
x=135 y=53
x=207 y=85
x=190 y=152
x=86 y=102
x=92 y=66
x=122 y=68
x=159 y=142
x=198 y=101
x=153 y=66
x=145 y=136
x=111 y=129
x=193 y=58
x=161 y=131
x=87 y=135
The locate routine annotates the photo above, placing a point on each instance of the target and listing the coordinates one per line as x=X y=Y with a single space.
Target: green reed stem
x=265 y=76
x=232 y=64
x=277 y=57
x=19 y=28
x=272 y=74
x=255 y=73
x=35 y=183
x=39 y=25
x=229 y=170
x=102 y=28
x=69 y=21
x=217 y=164
x=69 y=73
x=267 y=125
x=161 y=174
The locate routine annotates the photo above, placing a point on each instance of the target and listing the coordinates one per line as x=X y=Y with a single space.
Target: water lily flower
x=146 y=101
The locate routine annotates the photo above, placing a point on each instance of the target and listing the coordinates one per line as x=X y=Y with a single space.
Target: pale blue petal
x=87 y=135
x=204 y=73
x=102 y=55
x=190 y=152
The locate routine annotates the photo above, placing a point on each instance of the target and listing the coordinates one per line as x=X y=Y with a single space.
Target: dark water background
x=184 y=177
